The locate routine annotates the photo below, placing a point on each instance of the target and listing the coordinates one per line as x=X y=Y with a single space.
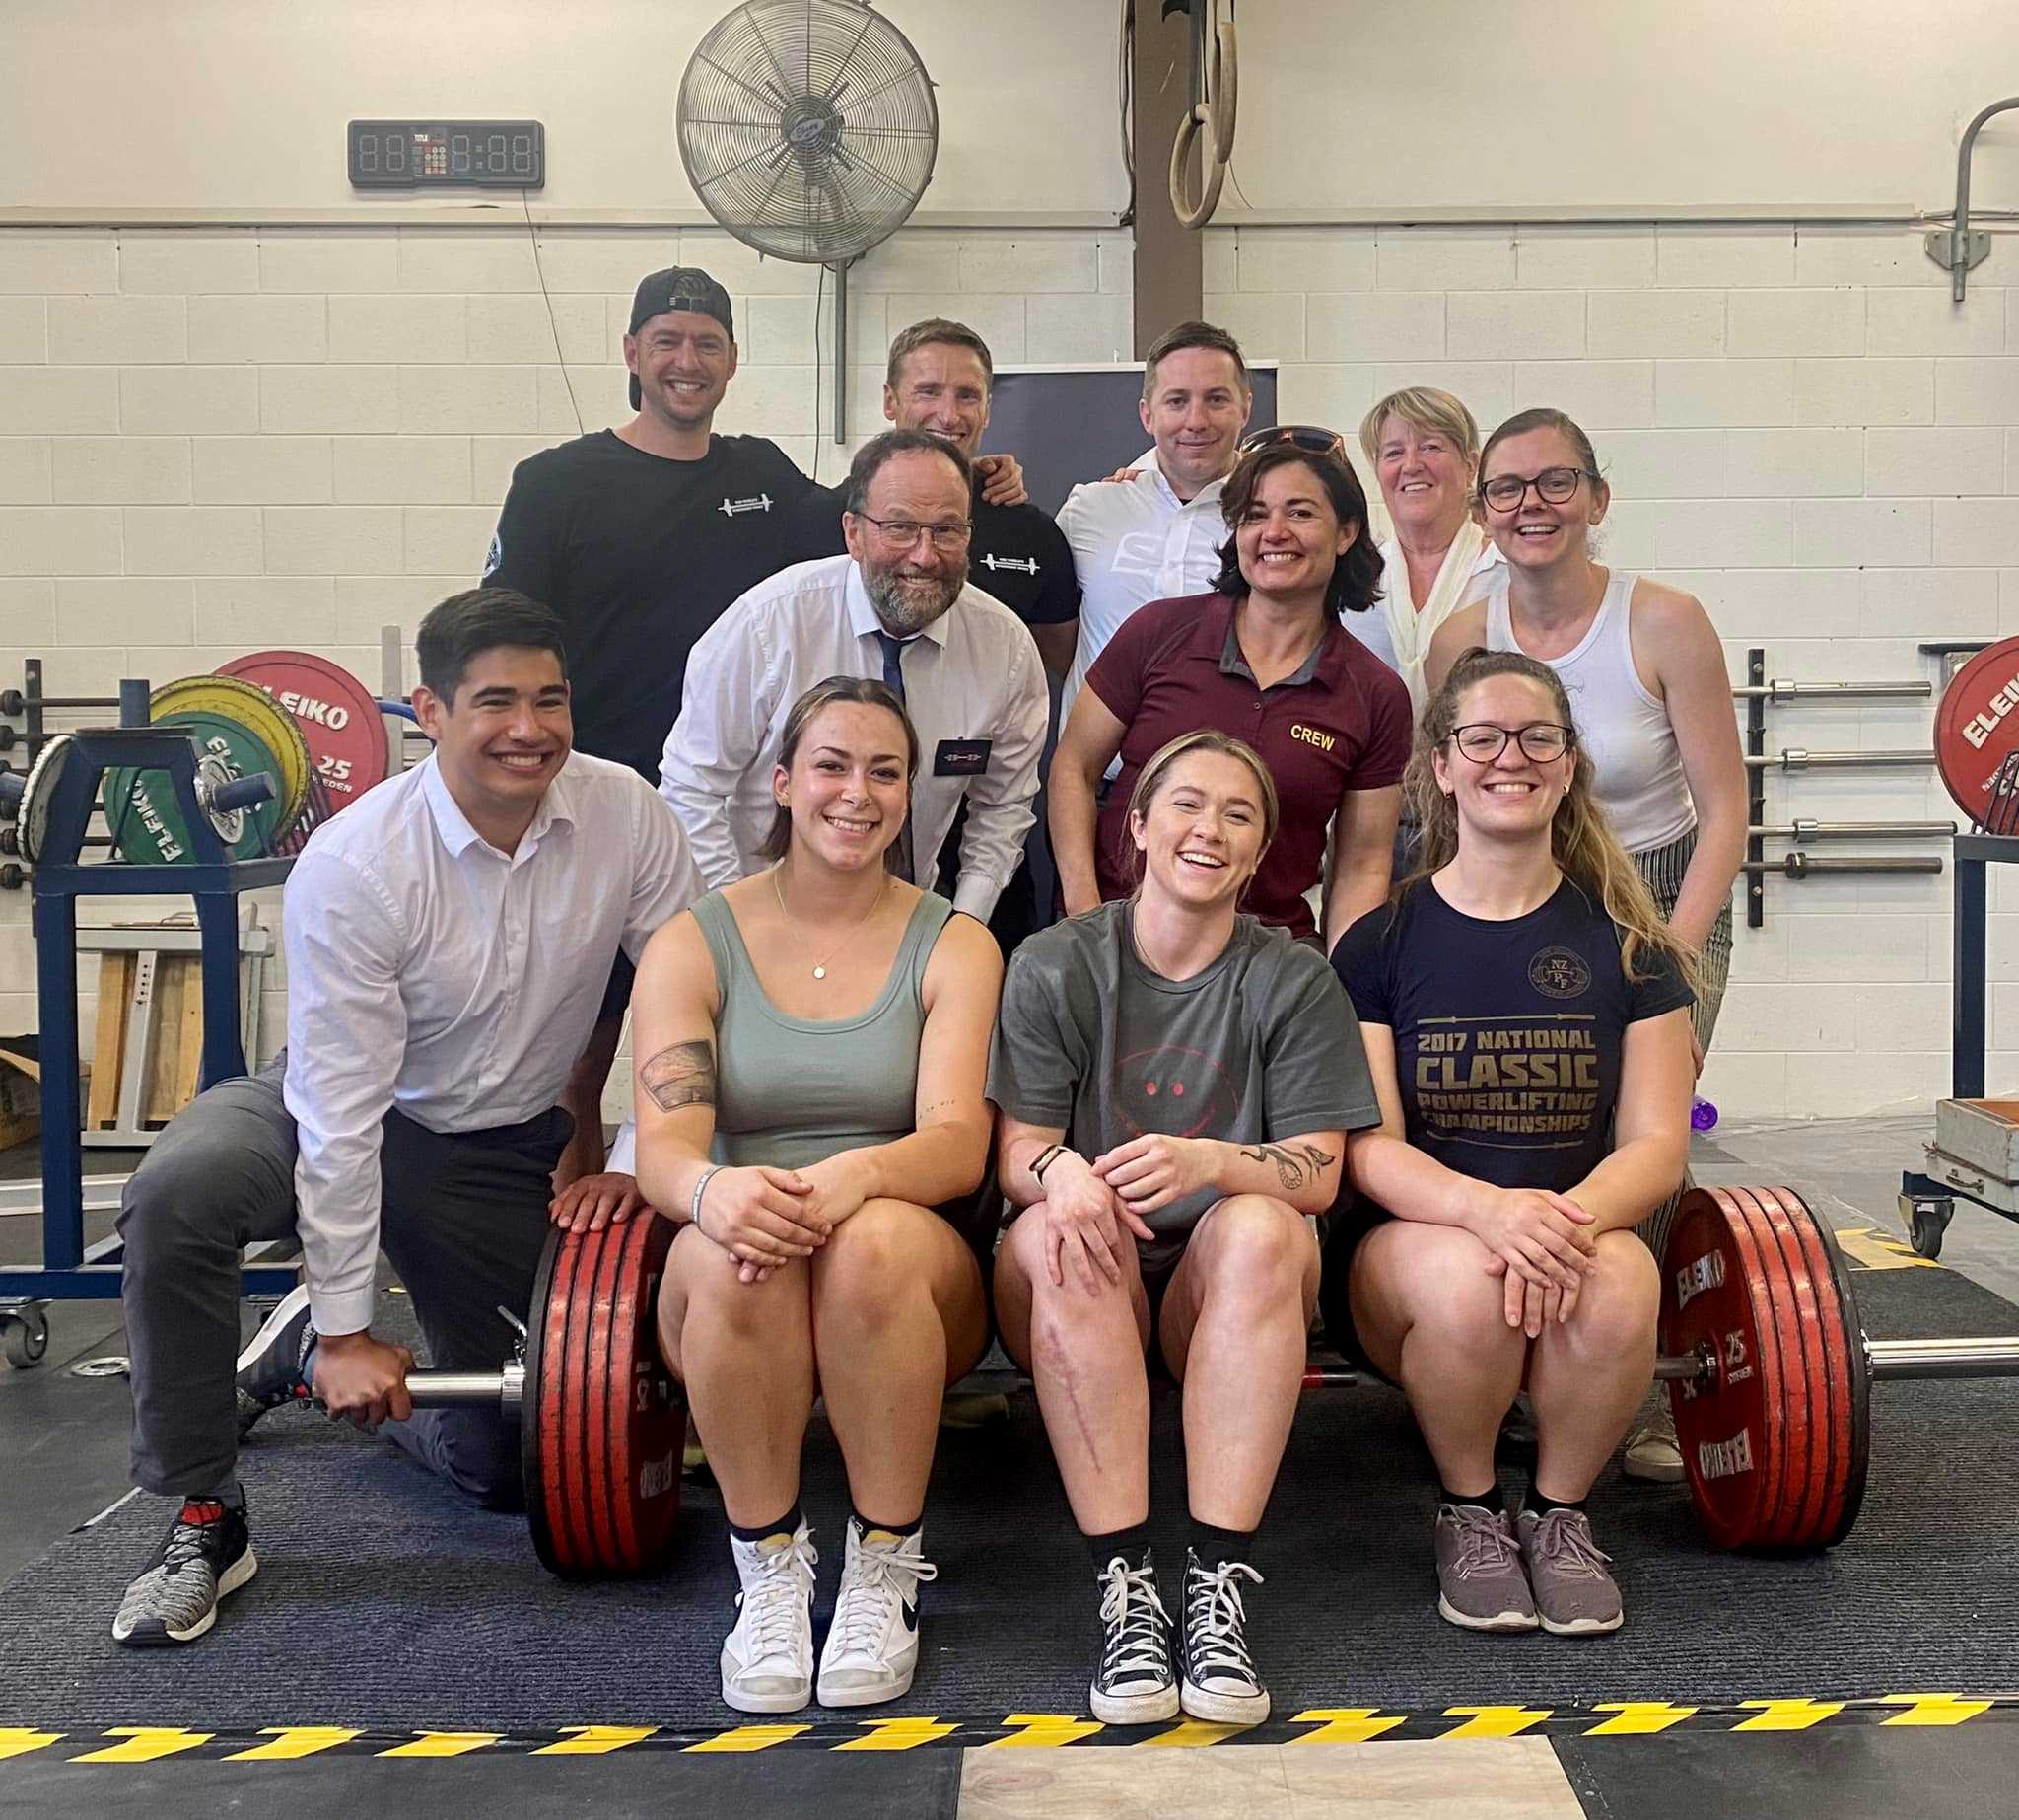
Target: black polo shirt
x=1018 y=554
x=640 y=555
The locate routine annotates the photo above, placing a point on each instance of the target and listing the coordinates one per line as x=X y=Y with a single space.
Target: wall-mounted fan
x=808 y=130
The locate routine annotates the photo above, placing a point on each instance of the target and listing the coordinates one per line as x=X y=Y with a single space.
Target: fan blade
x=863 y=165
x=770 y=101
x=785 y=81
x=848 y=56
x=776 y=149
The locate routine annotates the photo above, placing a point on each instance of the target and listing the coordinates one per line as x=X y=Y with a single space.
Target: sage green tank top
x=790 y=1092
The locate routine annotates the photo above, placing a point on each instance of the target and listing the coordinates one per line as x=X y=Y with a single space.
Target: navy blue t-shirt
x=1508 y=1034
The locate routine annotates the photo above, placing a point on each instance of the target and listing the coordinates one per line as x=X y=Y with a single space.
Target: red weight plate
x=1849 y=1412
x=601 y=1365
x=1976 y=724
x=649 y=1419
x=553 y=1463
x=1731 y=1427
x=579 y=1363
x=1784 y=1276
x=1808 y=1267
x=338 y=716
x=534 y=1457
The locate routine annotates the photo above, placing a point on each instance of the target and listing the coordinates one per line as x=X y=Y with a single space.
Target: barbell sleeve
x=1799 y=758
x=1992 y=1356
x=1780 y=690
x=447 y=1389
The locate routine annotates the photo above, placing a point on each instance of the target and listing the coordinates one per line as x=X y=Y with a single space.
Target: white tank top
x=1624 y=731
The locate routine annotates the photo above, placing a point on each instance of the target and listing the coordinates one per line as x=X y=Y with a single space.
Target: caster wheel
x=25 y=1337
x=1926 y=1221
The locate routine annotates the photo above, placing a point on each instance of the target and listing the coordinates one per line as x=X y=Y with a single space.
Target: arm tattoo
x=1293 y=1165
x=682 y=1075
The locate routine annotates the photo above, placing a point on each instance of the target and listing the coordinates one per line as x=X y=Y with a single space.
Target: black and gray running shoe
x=1135 y=1684
x=206 y=1554
x=1219 y=1681
x=270 y=1368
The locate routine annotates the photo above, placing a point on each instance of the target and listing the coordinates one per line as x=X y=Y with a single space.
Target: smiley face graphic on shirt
x=1176 y=1092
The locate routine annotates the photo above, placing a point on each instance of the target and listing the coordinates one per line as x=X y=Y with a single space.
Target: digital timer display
x=426 y=154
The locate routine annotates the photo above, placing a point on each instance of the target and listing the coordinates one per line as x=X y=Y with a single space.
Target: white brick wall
x=211 y=441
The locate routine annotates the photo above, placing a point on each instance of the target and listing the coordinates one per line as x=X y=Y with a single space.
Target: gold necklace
x=821 y=965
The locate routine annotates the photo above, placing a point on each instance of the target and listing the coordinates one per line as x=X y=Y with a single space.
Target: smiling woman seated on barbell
x=1525 y=1016
x=813 y=1043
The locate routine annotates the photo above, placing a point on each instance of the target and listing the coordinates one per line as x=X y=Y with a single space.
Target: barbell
x=602 y=1423
x=1769 y=1367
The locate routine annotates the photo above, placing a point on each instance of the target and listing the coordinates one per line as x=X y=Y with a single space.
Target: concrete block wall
x=1803 y=430
x=213 y=441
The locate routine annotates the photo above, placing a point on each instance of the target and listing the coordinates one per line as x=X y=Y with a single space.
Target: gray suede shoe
x=1479 y=1582
x=1574 y=1592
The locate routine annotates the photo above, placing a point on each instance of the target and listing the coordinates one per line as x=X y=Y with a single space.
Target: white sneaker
x=767 y=1660
x=871 y=1651
x=1653 y=1454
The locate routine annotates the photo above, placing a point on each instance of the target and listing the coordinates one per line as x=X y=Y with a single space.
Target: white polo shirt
x=429 y=973
x=1135 y=542
x=972 y=677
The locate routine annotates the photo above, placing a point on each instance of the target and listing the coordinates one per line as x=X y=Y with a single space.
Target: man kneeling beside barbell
x=447 y=939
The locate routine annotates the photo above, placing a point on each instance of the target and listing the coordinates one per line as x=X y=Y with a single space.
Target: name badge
x=961 y=758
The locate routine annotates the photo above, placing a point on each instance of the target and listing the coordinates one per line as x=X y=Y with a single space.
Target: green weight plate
x=145 y=817
x=256 y=711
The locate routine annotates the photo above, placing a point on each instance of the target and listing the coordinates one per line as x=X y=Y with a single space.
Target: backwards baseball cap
x=678 y=287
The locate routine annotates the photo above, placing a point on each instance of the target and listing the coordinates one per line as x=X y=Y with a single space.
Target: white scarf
x=1410 y=628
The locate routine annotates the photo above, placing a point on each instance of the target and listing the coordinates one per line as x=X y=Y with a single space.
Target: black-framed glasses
x=904 y=533
x=1313 y=438
x=1506 y=492
x=1483 y=743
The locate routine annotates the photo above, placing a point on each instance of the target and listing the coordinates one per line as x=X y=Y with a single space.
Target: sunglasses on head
x=1314 y=437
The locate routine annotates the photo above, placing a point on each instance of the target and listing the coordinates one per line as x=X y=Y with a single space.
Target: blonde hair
x=1156 y=773
x=1581 y=840
x=1428 y=408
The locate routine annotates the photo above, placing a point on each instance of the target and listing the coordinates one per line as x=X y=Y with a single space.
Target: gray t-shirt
x=1261 y=1046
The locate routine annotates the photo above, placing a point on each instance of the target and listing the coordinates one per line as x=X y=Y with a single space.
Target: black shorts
x=617 y=992
x=1348 y=1222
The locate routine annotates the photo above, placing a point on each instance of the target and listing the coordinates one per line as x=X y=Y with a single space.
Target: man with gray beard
x=897 y=606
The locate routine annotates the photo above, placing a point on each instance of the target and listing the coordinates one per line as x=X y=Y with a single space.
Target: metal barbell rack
x=1759 y=692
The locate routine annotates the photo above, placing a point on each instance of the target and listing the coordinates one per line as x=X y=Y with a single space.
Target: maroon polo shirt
x=1341 y=722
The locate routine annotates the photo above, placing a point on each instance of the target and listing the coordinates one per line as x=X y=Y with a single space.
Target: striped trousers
x=1661 y=869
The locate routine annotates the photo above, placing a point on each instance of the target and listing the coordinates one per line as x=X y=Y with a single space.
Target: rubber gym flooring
x=399 y=1649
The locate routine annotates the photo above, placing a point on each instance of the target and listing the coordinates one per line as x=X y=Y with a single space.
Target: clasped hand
x=1541 y=1244
x=1086 y=1219
x=765 y=1218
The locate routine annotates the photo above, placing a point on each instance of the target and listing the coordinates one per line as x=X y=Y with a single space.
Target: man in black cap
x=640 y=538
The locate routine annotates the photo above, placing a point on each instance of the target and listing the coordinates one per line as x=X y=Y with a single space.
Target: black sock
x=1213 y=1546
x=1490 y=1498
x=899 y=1530
x=1132 y=1544
x=788 y=1524
x=1540 y=1505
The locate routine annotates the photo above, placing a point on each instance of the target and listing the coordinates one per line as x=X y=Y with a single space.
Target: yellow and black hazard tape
x=1616 y=1718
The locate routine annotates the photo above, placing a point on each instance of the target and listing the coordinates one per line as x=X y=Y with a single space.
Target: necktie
x=893 y=674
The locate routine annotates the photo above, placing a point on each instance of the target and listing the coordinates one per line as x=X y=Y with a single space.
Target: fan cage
x=807 y=127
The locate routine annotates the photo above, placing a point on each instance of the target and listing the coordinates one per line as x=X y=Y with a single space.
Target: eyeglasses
x=1506 y=492
x=1483 y=743
x=904 y=533
x=1308 y=436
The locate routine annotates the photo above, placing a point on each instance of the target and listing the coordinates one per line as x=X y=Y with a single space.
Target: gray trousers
x=463 y=1217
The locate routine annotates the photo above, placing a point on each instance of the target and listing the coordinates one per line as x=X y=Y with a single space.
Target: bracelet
x=1043 y=1161
x=700 y=1188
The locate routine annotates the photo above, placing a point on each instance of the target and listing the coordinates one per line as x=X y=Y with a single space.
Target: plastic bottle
x=1702 y=1115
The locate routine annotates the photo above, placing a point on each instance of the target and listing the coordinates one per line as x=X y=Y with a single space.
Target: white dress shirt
x=972 y=675
x=429 y=973
x=1135 y=542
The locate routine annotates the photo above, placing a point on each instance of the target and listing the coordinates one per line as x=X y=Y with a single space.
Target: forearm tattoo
x=1295 y=1164
x=680 y=1075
